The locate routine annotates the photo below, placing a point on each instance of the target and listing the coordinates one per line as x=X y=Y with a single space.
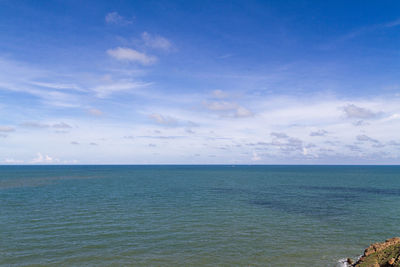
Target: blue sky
x=199 y=82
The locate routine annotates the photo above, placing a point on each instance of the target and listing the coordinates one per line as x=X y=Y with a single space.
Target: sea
x=180 y=215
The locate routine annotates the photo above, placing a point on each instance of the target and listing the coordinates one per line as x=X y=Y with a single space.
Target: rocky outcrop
x=385 y=254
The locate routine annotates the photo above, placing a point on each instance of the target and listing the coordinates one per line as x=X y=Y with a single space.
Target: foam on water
x=342 y=263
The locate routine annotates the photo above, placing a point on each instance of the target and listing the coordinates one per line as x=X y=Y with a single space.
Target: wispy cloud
x=362 y=31
x=156 y=41
x=39 y=125
x=57 y=86
x=225 y=56
x=20 y=77
x=33 y=124
x=106 y=89
x=117 y=19
x=393 y=23
x=131 y=55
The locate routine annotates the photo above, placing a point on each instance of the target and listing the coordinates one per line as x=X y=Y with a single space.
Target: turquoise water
x=194 y=215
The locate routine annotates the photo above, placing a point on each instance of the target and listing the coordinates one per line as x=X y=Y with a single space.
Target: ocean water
x=194 y=215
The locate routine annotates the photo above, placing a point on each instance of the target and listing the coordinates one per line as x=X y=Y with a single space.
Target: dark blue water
x=194 y=215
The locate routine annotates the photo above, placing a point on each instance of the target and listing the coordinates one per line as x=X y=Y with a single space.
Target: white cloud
x=163 y=120
x=255 y=157
x=12 y=161
x=115 y=18
x=40 y=159
x=128 y=54
x=242 y=112
x=319 y=133
x=6 y=129
x=61 y=125
x=95 y=112
x=219 y=94
x=220 y=105
x=298 y=118
x=156 y=41
x=228 y=109
x=365 y=138
x=395 y=116
x=352 y=111
x=360 y=123
x=393 y=143
x=279 y=135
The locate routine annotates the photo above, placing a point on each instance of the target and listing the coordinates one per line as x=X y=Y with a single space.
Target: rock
x=349 y=261
x=381 y=254
x=381 y=246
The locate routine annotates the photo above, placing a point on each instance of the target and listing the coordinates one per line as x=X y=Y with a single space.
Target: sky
x=199 y=82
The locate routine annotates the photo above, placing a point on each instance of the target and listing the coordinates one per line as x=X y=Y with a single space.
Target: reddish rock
x=376 y=254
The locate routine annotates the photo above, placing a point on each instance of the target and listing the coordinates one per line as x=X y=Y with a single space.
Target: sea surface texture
x=194 y=215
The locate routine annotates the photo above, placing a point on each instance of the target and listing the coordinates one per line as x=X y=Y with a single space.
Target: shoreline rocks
x=385 y=254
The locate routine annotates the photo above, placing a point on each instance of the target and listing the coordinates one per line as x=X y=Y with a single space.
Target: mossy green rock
x=386 y=254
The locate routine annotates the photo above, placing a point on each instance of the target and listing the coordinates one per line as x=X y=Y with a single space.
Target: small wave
x=342 y=263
